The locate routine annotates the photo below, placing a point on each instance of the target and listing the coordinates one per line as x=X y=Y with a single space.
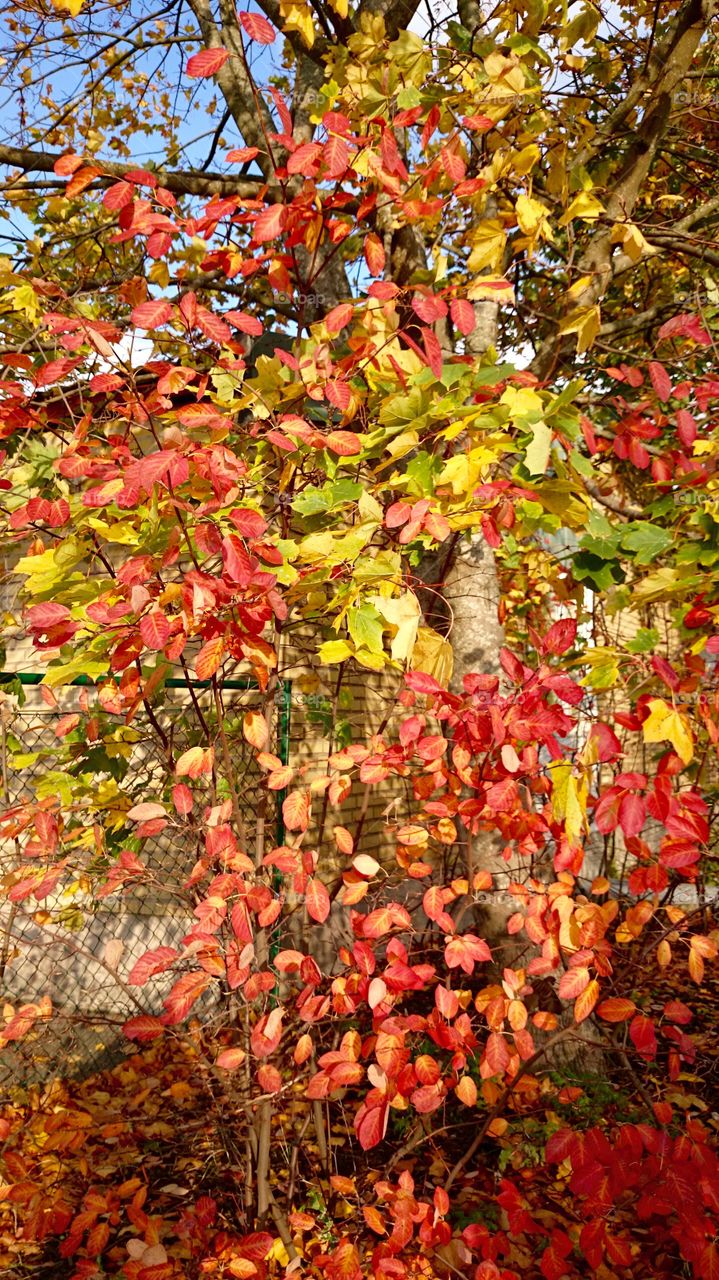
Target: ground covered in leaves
x=139 y=1172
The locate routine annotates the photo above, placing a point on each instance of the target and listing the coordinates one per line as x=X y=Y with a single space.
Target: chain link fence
x=76 y=946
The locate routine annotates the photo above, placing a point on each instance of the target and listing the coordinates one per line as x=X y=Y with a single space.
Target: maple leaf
x=665 y=724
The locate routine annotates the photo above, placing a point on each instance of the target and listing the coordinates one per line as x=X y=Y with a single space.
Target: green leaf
x=313 y=501
x=79 y=666
x=647 y=541
x=645 y=641
x=600 y=575
x=365 y=627
x=601 y=538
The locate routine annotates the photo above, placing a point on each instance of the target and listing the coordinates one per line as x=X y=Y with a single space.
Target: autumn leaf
x=257 y=27
x=206 y=63
x=585 y=1003
x=665 y=723
x=254 y=729
x=317 y=900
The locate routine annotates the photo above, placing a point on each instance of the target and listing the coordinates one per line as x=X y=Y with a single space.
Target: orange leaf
x=254 y=728
x=343 y=840
x=339 y=317
x=374 y=1220
x=466 y=1091
x=317 y=900
x=615 y=1009
x=231 y=1059
x=209 y=658
x=573 y=983
x=195 y=761
x=585 y=1003
x=296 y=810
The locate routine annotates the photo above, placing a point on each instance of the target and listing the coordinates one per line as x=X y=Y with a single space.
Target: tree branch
x=180 y=183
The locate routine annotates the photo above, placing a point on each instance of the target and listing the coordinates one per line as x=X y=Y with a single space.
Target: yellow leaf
x=536 y=458
x=665 y=724
x=532 y=218
x=72 y=7
x=23 y=299
x=585 y=206
x=584 y=1003
x=433 y=654
x=373 y=661
x=296 y=16
x=524 y=404
x=487 y=239
x=404 y=614
x=569 y=800
x=334 y=651
x=585 y=323
x=632 y=241
x=525 y=160
x=279 y=1253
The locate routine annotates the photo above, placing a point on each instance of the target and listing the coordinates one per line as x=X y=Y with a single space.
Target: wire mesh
x=77 y=946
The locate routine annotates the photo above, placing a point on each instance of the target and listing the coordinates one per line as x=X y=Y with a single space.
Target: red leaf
x=209 y=658
x=236 y=562
x=248 y=522
x=305 y=159
x=371 y=1123
x=453 y=165
x=496 y=1053
x=194 y=762
x=152 y=314
x=296 y=811
x=686 y=428
x=230 y=1059
x=144 y=1027
x=267 y=1033
x=245 y=322
x=641 y=1031
x=336 y=157
x=155 y=630
x=185 y=992
x=374 y=254
x=428 y=1098
x=182 y=798
x=206 y=63
x=339 y=317
x=462 y=313
x=317 y=900
x=269 y=223
x=660 y=379
x=685 y=326
x=561 y=636
x=257 y=27
x=240 y=155
x=152 y=962
x=632 y=813
x=344 y=443
x=573 y=983
x=118 y=196
x=212 y=326
x=433 y=351
x=429 y=307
